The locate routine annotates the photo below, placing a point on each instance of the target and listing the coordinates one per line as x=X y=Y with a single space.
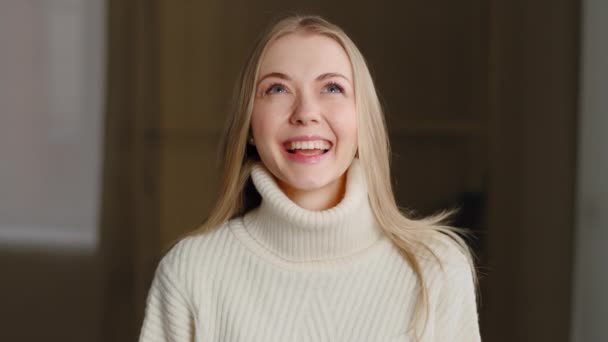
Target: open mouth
x=308 y=148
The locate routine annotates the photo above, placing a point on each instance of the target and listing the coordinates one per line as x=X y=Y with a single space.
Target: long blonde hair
x=237 y=195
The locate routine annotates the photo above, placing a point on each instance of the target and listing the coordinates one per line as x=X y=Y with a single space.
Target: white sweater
x=283 y=273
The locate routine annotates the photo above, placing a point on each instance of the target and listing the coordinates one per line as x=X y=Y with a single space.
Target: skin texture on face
x=305 y=88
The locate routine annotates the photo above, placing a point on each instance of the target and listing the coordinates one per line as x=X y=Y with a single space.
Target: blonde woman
x=306 y=241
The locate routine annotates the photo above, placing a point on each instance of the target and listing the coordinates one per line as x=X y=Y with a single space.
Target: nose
x=306 y=111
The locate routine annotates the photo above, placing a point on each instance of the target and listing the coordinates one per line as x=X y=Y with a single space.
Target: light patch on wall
x=52 y=113
x=590 y=301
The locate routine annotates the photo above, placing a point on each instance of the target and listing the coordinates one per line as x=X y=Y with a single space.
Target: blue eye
x=334 y=88
x=276 y=88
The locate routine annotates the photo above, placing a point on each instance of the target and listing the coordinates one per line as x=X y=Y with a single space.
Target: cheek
x=264 y=126
x=267 y=115
x=257 y=121
x=259 y=117
x=344 y=122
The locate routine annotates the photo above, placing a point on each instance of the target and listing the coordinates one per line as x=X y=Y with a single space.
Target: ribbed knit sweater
x=283 y=273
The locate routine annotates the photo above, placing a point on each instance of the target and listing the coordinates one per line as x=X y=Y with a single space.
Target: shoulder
x=197 y=255
x=453 y=290
x=437 y=250
x=448 y=267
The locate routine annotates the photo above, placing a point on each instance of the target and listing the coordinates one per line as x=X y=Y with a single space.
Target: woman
x=306 y=242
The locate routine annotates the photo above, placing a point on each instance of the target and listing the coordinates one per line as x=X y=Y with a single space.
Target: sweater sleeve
x=457 y=317
x=168 y=315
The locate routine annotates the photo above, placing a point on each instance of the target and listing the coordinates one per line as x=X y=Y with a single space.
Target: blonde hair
x=237 y=195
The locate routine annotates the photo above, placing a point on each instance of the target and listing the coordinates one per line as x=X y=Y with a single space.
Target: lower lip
x=299 y=158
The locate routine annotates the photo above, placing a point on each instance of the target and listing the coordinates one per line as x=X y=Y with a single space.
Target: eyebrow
x=285 y=77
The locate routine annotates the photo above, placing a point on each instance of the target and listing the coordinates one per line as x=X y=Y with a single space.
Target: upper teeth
x=309 y=145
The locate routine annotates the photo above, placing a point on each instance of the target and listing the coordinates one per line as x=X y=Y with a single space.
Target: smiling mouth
x=308 y=148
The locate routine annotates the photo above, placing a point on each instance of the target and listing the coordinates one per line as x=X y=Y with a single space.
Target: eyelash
x=330 y=84
x=334 y=84
x=272 y=86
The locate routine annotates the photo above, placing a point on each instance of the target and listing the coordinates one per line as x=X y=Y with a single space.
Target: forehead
x=305 y=55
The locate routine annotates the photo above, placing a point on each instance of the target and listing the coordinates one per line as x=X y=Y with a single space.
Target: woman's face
x=304 y=120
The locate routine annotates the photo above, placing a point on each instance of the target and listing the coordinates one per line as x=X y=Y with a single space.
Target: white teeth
x=309 y=145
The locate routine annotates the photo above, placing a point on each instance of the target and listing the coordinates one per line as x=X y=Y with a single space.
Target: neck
x=295 y=233
x=317 y=199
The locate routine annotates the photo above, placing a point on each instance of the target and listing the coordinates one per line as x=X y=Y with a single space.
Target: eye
x=276 y=88
x=334 y=88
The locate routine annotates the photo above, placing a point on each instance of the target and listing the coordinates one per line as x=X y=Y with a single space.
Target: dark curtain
x=130 y=196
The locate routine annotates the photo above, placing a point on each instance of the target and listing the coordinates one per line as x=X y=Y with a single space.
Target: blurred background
x=112 y=111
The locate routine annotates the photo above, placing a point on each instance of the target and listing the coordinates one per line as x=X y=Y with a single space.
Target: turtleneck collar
x=297 y=234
